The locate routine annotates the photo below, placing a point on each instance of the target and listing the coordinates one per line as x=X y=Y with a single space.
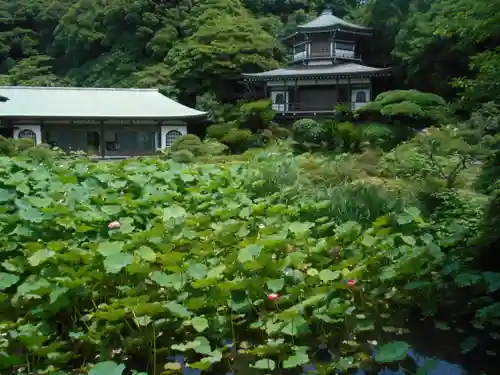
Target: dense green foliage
x=134 y=261
x=240 y=237
x=194 y=48
x=406 y=107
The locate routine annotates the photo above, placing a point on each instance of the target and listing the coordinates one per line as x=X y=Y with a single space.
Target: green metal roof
x=323 y=71
x=76 y=102
x=328 y=20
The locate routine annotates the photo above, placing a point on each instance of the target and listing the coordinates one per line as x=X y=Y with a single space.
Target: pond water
x=438 y=367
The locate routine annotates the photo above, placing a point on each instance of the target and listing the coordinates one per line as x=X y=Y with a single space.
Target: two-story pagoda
x=325 y=70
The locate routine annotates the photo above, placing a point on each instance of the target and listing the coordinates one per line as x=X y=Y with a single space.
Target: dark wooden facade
x=324 y=70
x=102 y=122
x=107 y=139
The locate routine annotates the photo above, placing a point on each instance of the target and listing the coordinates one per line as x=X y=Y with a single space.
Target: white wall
x=37 y=129
x=312 y=82
x=358 y=105
x=165 y=128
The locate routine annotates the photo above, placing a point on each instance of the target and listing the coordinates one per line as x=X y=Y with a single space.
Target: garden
x=301 y=252
x=328 y=246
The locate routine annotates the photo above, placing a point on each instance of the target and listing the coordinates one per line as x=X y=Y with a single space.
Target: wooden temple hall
x=325 y=69
x=106 y=123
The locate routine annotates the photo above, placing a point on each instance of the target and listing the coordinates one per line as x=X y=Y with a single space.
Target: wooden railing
x=342 y=54
x=307 y=107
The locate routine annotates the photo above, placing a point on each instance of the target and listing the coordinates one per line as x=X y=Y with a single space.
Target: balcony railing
x=337 y=53
x=282 y=107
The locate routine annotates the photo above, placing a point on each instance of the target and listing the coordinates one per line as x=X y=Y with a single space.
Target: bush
x=326 y=171
x=218 y=131
x=215 y=148
x=256 y=115
x=13 y=147
x=188 y=142
x=422 y=99
x=7 y=147
x=278 y=131
x=237 y=140
x=217 y=111
x=362 y=201
x=343 y=113
x=440 y=154
x=44 y=154
x=273 y=171
x=461 y=208
x=307 y=132
x=410 y=107
x=377 y=135
x=183 y=156
x=349 y=137
x=403 y=109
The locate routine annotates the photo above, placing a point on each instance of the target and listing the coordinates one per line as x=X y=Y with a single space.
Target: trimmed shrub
x=307 y=131
x=412 y=107
x=237 y=140
x=183 y=156
x=403 y=109
x=218 y=131
x=278 y=131
x=349 y=136
x=256 y=115
x=188 y=142
x=215 y=148
x=385 y=136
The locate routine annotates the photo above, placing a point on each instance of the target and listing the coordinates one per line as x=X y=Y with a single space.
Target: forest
x=340 y=246
x=193 y=49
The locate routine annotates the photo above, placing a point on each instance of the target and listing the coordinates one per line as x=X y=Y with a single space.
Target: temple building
x=325 y=70
x=106 y=123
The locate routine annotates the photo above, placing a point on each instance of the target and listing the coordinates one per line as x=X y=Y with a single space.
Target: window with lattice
x=361 y=97
x=27 y=133
x=171 y=136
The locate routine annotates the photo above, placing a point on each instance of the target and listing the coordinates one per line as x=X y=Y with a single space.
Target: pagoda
x=325 y=70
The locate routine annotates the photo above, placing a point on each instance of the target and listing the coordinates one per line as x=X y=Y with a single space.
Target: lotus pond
x=107 y=268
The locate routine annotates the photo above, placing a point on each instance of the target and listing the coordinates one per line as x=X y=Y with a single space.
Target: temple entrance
x=93 y=143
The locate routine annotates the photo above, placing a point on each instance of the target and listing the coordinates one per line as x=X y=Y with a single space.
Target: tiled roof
x=345 y=69
x=76 y=102
x=328 y=20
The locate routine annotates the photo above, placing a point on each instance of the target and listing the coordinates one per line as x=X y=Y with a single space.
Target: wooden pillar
x=295 y=91
x=332 y=44
x=308 y=46
x=102 y=140
x=42 y=133
x=138 y=146
x=349 y=91
x=337 y=92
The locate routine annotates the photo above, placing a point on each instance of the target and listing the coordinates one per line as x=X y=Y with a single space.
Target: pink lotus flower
x=351 y=283
x=114 y=225
x=273 y=297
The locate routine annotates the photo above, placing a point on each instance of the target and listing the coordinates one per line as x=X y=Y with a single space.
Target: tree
x=32 y=71
x=222 y=48
x=441 y=43
x=411 y=107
